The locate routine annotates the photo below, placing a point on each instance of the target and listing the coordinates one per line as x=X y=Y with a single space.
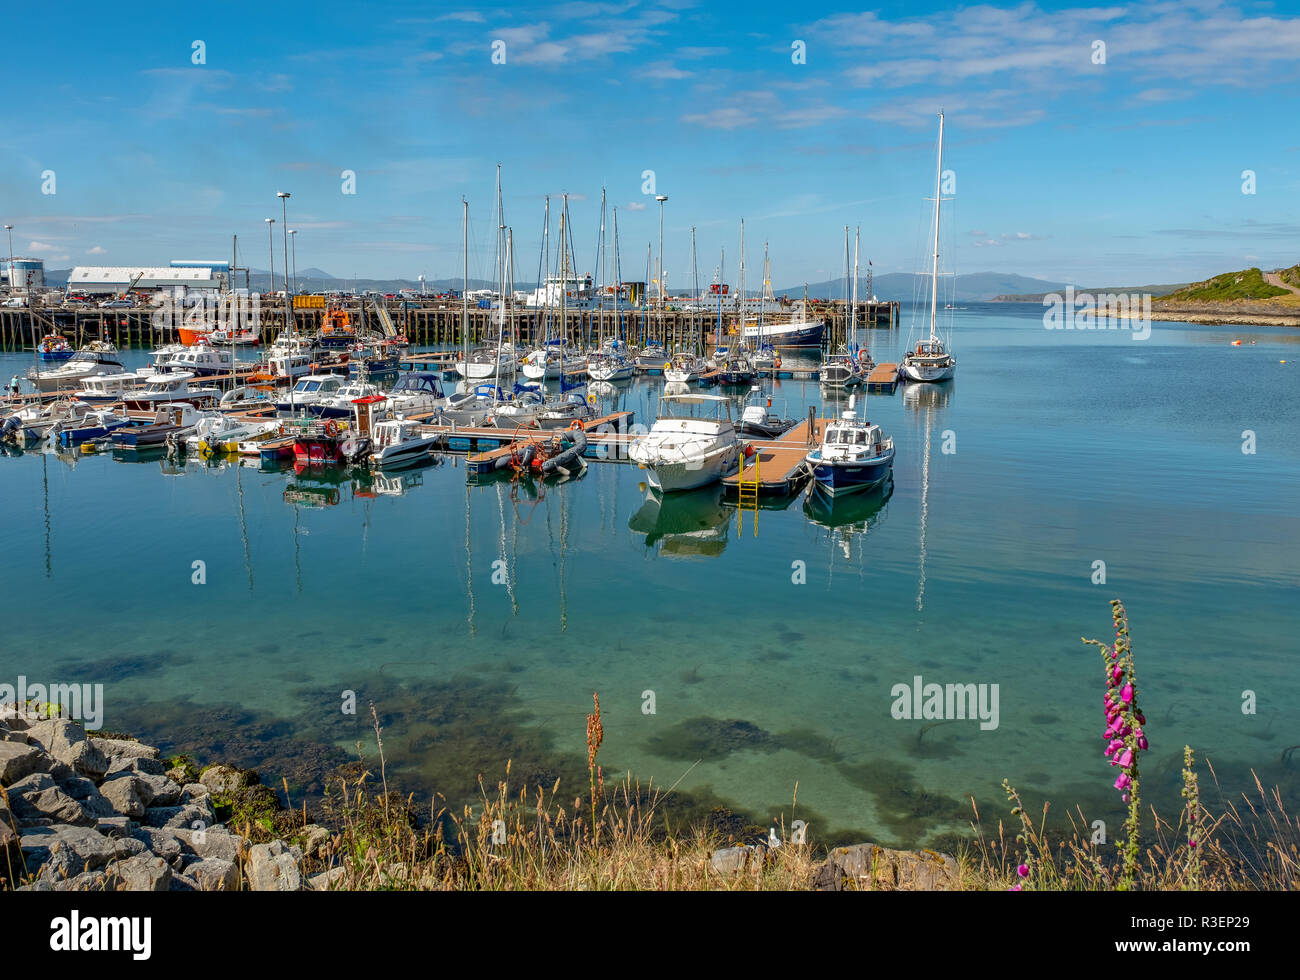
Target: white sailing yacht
x=930 y=360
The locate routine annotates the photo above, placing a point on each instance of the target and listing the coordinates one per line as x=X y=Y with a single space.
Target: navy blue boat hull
x=850 y=477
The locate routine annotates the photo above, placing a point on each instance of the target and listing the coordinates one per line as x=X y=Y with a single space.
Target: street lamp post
x=284 y=226
x=293 y=237
x=270 y=239
x=10 y=229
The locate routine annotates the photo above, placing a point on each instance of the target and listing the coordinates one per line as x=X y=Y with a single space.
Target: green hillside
x=1247 y=284
x=1291 y=276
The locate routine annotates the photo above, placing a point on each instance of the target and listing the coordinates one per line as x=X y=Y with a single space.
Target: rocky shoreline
x=84 y=813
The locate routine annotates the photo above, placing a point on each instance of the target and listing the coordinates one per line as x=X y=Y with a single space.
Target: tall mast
x=546 y=272
x=464 y=291
x=741 y=302
x=853 y=313
x=618 y=278
x=600 y=329
x=695 y=292
x=564 y=266
x=934 y=274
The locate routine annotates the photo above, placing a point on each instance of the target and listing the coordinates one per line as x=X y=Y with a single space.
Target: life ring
x=331 y=428
x=667 y=365
x=575 y=425
x=591 y=399
x=777 y=362
x=281 y=428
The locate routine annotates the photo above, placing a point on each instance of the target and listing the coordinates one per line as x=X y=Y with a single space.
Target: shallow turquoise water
x=1069 y=448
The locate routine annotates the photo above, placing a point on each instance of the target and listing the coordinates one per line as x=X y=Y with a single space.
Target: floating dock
x=777 y=468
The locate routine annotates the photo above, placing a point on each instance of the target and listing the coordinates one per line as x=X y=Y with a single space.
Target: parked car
x=14 y=301
x=116 y=304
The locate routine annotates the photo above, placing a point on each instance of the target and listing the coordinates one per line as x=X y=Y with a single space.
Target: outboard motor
x=13 y=425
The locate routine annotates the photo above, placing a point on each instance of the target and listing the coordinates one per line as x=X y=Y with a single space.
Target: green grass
x=1291 y=276
x=1247 y=284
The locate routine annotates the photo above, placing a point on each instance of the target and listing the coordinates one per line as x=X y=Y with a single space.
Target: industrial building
x=183 y=277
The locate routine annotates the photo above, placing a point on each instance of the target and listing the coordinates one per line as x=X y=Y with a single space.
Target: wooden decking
x=777 y=465
x=883 y=377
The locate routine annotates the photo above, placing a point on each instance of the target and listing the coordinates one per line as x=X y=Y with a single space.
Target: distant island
x=1249 y=297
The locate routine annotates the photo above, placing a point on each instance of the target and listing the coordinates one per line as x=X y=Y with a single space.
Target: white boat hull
x=670 y=477
x=913 y=371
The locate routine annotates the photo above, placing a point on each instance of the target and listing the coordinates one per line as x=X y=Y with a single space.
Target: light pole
x=284 y=206
x=293 y=237
x=10 y=229
x=270 y=239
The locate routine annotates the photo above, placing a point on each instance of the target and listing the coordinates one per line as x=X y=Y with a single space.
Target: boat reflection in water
x=848 y=516
x=925 y=401
x=691 y=524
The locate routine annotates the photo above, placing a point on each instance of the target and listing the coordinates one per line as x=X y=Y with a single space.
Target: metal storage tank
x=26 y=273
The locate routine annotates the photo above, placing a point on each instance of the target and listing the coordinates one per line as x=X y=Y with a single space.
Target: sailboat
x=931 y=360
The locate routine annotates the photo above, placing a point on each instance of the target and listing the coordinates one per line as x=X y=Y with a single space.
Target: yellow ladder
x=747 y=492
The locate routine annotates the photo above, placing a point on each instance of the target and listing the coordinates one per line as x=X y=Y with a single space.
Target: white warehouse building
x=179 y=281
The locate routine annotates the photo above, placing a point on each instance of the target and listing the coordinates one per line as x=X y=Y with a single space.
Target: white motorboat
x=161 y=390
x=104 y=388
x=931 y=360
x=95 y=358
x=854 y=455
x=651 y=357
x=246 y=398
x=685 y=451
x=416 y=392
x=162 y=356
x=34 y=422
x=397 y=441
x=202 y=359
x=684 y=368
x=308 y=391
x=339 y=404
x=219 y=434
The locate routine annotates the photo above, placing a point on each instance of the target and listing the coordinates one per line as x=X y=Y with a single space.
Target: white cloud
x=635 y=206
x=97 y=250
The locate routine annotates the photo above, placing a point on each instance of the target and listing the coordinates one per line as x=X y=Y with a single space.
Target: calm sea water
x=480 y=619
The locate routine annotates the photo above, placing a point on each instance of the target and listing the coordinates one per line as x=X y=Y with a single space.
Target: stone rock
x=326 y=880
x=66 y=741
x=122 y=748
x=7 y=736
x=52 y=804
x=869 y=867
x=215 y=842
x=274 y=867
x=732 y=860
x=164 y=843
x=127 y=794
x=213 y=875
x=314 y=837
x=87 y=794
x=11 y=855
x=185 y=816
x=18 y=760
x=193 y=791
x=162 y=791
x=222 y=779
x=114 y=826
x=37 y=782
x=65 y=852
x=142 y=873
x=135 y=763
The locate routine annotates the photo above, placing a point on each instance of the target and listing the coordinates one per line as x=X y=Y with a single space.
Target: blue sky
x=1120 y=173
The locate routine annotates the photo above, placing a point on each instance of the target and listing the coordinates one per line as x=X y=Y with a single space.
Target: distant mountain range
x=905 y=286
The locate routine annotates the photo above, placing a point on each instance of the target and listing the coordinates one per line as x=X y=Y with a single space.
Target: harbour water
x=480 y=619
